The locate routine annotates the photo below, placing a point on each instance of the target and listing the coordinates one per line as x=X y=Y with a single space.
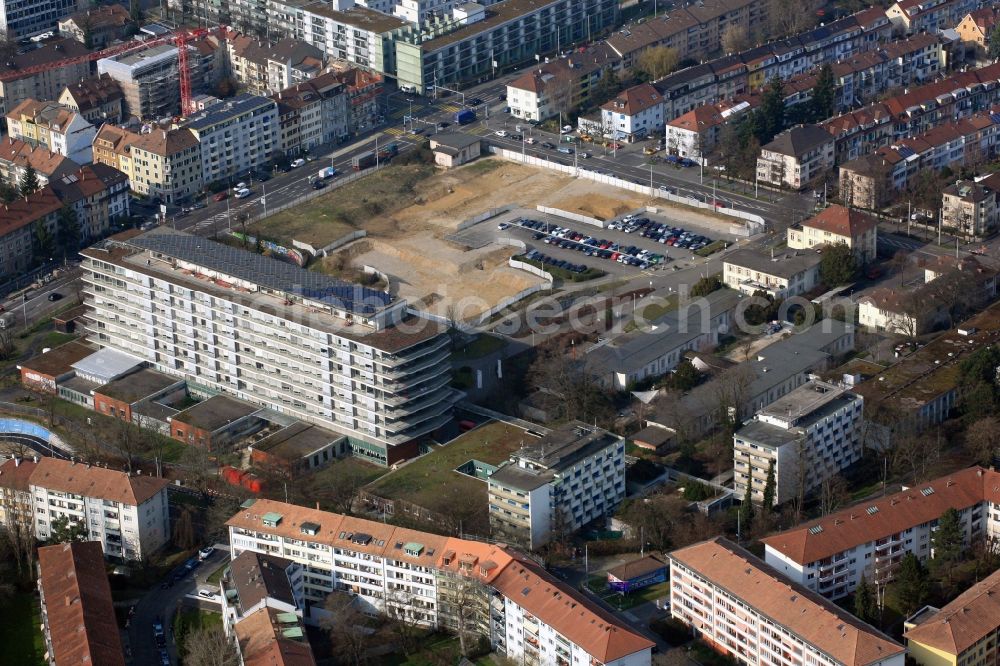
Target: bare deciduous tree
x=982 y=438
x=735 y=38
x=657 y=61
x=348 y=628
x=209 y=646
x=833 y=494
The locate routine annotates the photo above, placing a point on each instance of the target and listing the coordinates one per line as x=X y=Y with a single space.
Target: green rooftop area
x=421 y=481
x=933 y=369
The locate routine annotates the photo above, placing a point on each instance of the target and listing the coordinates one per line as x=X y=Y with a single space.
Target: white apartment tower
x=127 y=513
x=236 y=135
x=262 y=330
x=560 y=482
x=830 y=555
x=809 y=435
x=746 y=610
x=436 y=581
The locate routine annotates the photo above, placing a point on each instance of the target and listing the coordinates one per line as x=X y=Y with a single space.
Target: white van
x=243 y=194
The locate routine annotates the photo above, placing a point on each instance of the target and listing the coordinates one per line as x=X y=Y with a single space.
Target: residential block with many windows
x=239 y=134
x=748 y=611
x=351 y=359
x=566 y=479
x=830 y=555
x=808 y=435
x=126 y=513
x=436 y=581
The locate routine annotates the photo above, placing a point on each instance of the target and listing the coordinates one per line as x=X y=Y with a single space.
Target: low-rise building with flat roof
x=300 y=446
x=45 y=371
x=560 y=481
x=214 y=422
x=119 y=397
x=455 y=149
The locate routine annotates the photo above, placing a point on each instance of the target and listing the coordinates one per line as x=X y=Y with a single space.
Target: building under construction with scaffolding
x=150 y=78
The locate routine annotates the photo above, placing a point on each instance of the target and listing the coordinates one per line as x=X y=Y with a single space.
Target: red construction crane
x=179 y=39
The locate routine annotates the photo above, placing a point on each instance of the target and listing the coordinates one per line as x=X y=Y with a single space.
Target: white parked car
x=208 y=594
x=206 y=552
x=501 y=132
x=240 y=186
x=243 y=194
x=297 y=163
x=566 y=129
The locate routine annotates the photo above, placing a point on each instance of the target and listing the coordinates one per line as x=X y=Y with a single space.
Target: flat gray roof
x=784 y=264
x=297 y=441
x=809 y=403
x=265 y=271
x=107 y=364
x=566 y=444
x=632 y=351
x=138 y=385
x=767 y=435
x=215 y=413
x=227 y=109
x=512 y=476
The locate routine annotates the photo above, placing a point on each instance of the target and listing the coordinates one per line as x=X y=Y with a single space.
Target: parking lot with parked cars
x=632 y=241
x=591 y=246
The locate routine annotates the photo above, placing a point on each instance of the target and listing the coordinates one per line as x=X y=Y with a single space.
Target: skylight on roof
x=927 y=491
x=815 y=529
x=872 y=510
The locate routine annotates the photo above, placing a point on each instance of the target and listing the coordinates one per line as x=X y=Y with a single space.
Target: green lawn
x=216 y=576
x=439 y=649
x=711 y=248
x=22 y=640
x=420 y=481
x=650 y=313
x=328 y=217
x=189 y=620
x=598 y=585
x=55 y=338
x=484 y=345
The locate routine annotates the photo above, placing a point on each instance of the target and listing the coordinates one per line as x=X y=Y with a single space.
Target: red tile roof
x=841 y=221
x=819 y=622
x=81 y=617
x=262 y=642
x=15 y=474
x=634 y=100
x=965 y=621
x=90 y=481
x=520 y=579
x=562 y=608
x=26 y=210
x=832 y=534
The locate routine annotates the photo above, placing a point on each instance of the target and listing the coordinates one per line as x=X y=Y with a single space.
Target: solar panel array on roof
x=905 y=151
x=995 y=117
x=265 y=271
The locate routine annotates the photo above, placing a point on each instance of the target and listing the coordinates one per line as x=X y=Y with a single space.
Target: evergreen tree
x=769 y=487
x=823 y=95
x=68 y=231
x=746 y=508
x=994 y=45
x=43 y=242
x=865 y=603
x=911 y=584
x=948 y=538
x=29 y=182
x=772 y=110
x=62 y=530
x=838 y=265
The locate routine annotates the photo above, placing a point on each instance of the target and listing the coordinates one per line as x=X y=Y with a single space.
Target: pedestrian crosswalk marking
x=449 y=108
x=394 y=131
x=398 y=114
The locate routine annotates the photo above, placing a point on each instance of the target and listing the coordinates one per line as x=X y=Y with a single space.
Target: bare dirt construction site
x=409 y=211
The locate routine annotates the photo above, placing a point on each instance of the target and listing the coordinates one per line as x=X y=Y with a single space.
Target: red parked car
x=221 y=196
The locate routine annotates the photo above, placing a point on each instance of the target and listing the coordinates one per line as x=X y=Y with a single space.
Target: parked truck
x=388 y=151
x=465 y=116
x=363 y=161
x=326 y=172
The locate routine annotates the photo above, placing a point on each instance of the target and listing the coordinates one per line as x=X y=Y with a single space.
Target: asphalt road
x=405 y=113
x=162 y=604
x=35 y=304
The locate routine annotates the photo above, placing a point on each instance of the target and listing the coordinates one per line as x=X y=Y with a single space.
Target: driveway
x=162 y=604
